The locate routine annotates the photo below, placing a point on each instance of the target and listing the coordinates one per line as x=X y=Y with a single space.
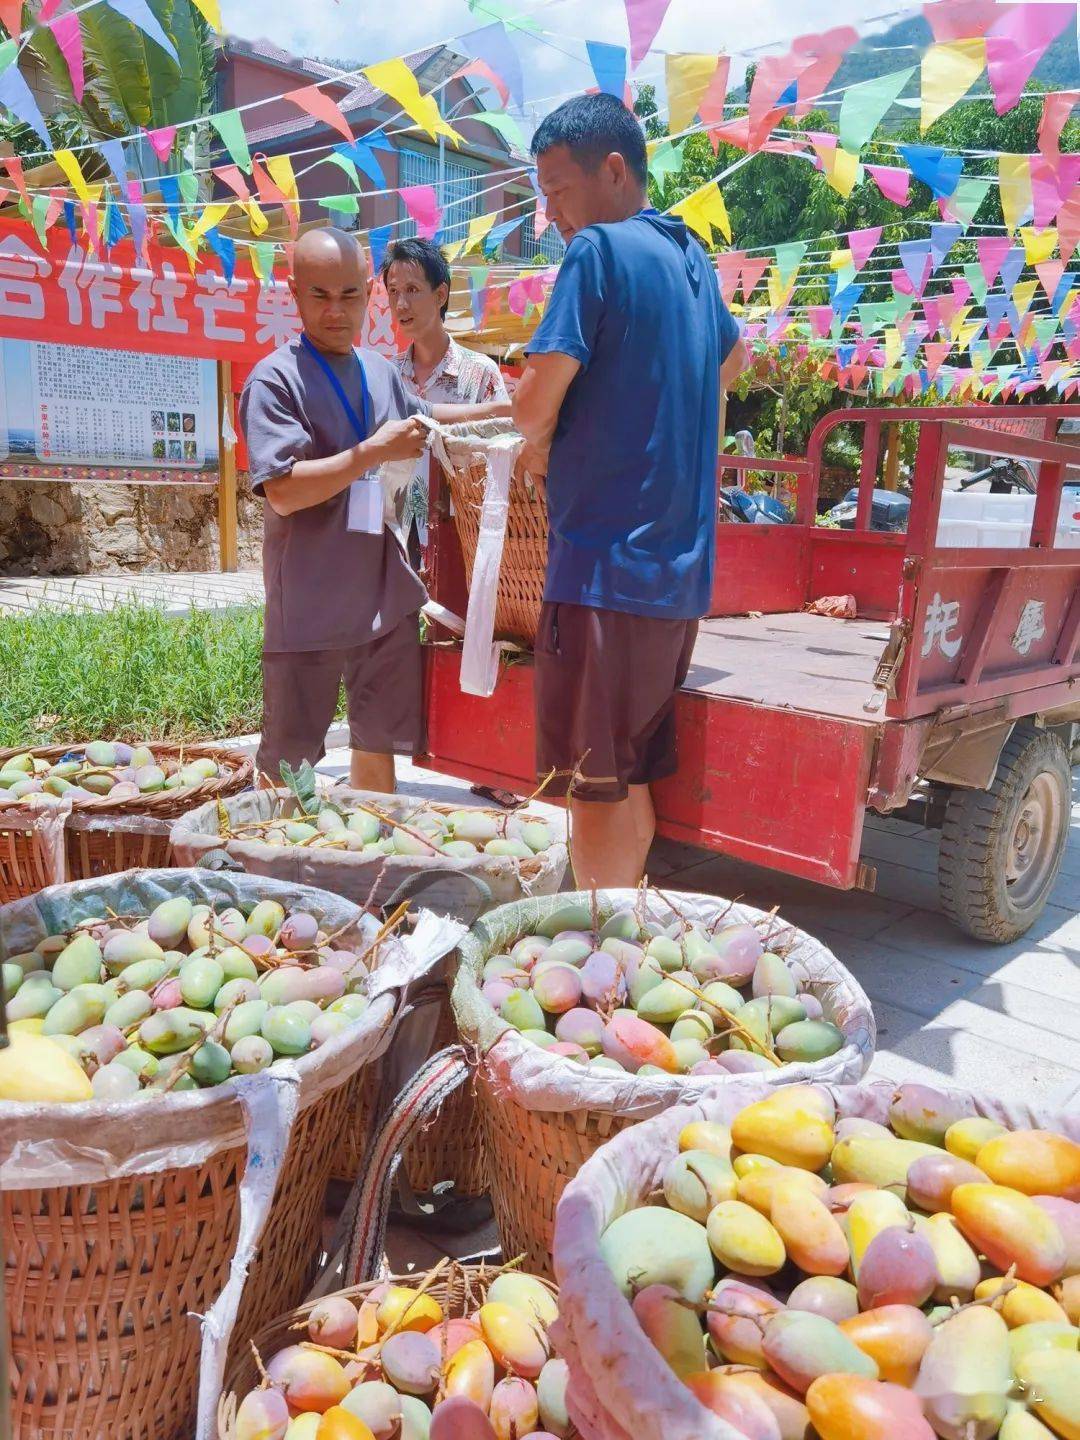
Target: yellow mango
x=33 y=1025
x=744 y=1164
x=517 y=1343
x=867 y=1216
x=958 y=1265
x=895 y=1336
x=404 y=1309
x=1035 y=1162
x=1010 y=1229
x=758 y=1187
x=1051 y=1382
x=743 y=1240
x=471 y=1372
x=812 y=1236
x=1019 y=1424
x=1023 y=1304
x=706 y=1135
x=787 y=1127
x=1068 y=1295
x=33 y=1069
x=965 y=1138
x=878 y=1160
x=1045 y=1336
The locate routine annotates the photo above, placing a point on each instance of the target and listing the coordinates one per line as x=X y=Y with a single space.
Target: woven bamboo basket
x=459 y=1289
x=106 y=1276
x=104 y=836
x=543 y=1116
x=524 y=561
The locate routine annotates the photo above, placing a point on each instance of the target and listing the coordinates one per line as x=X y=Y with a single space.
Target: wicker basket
x=105 y=1276
x=524 y=561
x=106 y=836
x=543 y=1116
x=459 y=1289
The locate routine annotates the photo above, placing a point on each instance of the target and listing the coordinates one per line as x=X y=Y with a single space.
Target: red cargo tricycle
x=952 y=694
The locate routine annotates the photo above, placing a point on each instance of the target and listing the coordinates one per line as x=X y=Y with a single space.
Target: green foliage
x=304 y=784
x=129 y=673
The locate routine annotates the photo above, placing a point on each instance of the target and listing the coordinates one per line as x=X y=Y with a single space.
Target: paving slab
x=176 y=594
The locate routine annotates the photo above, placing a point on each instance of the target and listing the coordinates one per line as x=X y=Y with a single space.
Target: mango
x=377 y=1404
x=518 y=1344
x=308 y=1379
x=965 y=1138
x=525 y=1293
x=410 y=1362
x=405 y=1309
x=734 y=1320
x=895 y=1336
x=167 y=1032
x=237 y=964
x=340 y=1424
x=754 y=1034
x=1045 y=1335
x=744 y=1165
x=778 y=1011
x=333 y=1321
x=827 y=1295
x=35 y=1070
x=556 y=987
x=245 y=1020
x=574 y=916
x=143 y=974
x=79 y=963
x=251 y=1054
x=1022 y=1304
x=34 y=999
x=800 y=1347
x=288 y=1032
x=1068 y=1295
x=569 y=951
x=924 y=1114
x=81 y=1007
x=211 y=1063
x=1035 y=1162
x=125 y=947
x=966 y=1375
x=200 y=981
x=651 y=1246
x=693 y=1025
x=772 y=977
x=877 y=1161
x=851 y=1407
x=812 y=1237
x=521 y=1011
x=868 y=1214
x=1051 y=1382
x=958 y=1265
x=932 y=1179
x=471 y=1372
x=262 y=1415
x=1066 y=1216
x=787 y=1127
x=898 y=1268
x=457 y=1418
x=1010 y=1229
x=664 y=1003
x=745 y=1412
x=673 y=1329
x=551 y=1397
x=1020 y=1424
x=635 y=1042
x=743 y=1240
x=695 y=1181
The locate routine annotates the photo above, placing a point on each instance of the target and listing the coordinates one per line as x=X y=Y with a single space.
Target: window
x=549 y=247
x=459 y=194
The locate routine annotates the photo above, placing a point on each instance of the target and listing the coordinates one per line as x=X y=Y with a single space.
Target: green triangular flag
x=265 y=253
x=188 y=182
x=666 y=160
x=973 y=274
x=966 y=200
x=231 y=129
x=345 y=164
x=41 y=209
x=865 y=105
x=8 y=50
x=496 y=10
x=789 y=257
x=182 y=238
x=342 y=204
x=504 y=125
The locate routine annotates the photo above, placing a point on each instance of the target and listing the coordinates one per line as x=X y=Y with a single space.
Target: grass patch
x=129 y=673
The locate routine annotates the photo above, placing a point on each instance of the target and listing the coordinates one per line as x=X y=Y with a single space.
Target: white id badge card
x=366 y=505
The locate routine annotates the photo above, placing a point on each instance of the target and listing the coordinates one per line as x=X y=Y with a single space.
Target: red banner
x=70 y=296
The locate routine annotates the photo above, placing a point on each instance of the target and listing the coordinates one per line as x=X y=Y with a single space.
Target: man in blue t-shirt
x=620 y=403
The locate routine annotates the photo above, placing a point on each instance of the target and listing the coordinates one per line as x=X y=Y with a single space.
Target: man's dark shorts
x=605 y=697
x=383 y=690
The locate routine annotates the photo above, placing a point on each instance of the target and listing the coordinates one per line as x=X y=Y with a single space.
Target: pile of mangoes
x=395 y=1367
x=460 y=834
x=874 y=1283
x=110 y=1009
x=104 y=767
x=649 y=999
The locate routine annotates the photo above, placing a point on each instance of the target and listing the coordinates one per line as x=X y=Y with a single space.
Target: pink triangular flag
x=1068 y=226
x=1016 y=44
x=932 y=311
x=752 y=272
x=936 y=355
x=1050 y=273
x=961 y=290
x=894 y=184
x=161 y=141
x=821 y=318
x=423 y=205
x=825 y=52
x=960 y=19
x=862 y=244
x=992 y=251
x=484 y=70
x=67 y=33
x=322 y=107
x=644 y=18
x=1046 y=194
x=1056 y=110
x=727 y=271
x=711 y=104
x=47 y=11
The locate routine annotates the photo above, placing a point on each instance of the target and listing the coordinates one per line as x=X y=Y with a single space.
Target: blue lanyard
x=361 y=428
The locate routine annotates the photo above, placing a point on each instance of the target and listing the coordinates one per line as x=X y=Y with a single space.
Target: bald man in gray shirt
x=341 y=601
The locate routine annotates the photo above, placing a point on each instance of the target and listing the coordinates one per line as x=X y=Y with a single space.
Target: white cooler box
x=1001 y=521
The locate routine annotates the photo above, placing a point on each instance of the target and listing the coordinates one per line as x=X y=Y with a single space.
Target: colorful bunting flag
x=933 y=167
x=225 y=249
x=362 y=154
x=498 y=234
x=67 y=32
x=69 y=164
x=16 y=95
x=644 y=18
x=788 y=259
x=865 y=105
x=144 y=19
x=504 y=125
x=992 y=251
x=320 y=106
x=379 y=240
x=492 y=46
x=1014 y=187
x=942 y=239
x=915 y=258
x=395 y=79
x=1057 y=108
x=423 y=206
x=1039 y=245
x=665 y=158
x=484 y=70
x=230 y=126
x=210 y=10
x=687 y=78
x=161 y=141
x=1012 y=266
x=1017 y=42
x=711 y=104
x=705 y=211
x=957 y=19
x=966 y=200
x=609 y=66
x=948 y=72
x=894 y=184
x=479 y=227
x=863 y=244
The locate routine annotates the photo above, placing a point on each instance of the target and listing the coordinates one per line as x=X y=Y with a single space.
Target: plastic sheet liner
x=537 y=1080
x=46 y=823
x=359 y=878
x=620 y=1387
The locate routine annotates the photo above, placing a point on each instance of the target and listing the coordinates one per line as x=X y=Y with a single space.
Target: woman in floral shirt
x=435 y=366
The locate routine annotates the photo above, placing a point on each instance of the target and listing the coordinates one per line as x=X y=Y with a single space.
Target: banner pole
x=227 y=523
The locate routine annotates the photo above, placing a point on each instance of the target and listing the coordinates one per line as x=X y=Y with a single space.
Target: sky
x=555 y=65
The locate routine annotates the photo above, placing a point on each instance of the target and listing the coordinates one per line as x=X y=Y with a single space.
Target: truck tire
x=1001 y=849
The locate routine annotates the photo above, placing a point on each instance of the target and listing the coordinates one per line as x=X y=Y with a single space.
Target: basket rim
x=161 y=802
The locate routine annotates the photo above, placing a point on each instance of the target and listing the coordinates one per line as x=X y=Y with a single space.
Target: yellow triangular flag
x=281 y=172
x=1039 y=245
x=841 y=171
x=210 y=10
x=968 y=333
x=478 y=229
x=68 y=162
x=395 y=79
x=1014 y=182
x=1023 y=294
x=949 y=71
x=893 y=347
x=958 y=322
x=715 y=211
x=779 y=293
x=687 y=78
x=453 y=252
x=840 y=259
x=256 y=219
x=212 y=215
x=691 y=212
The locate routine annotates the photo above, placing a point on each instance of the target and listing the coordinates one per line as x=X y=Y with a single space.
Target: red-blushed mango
x=1022 y=1304
x=958 y=1266
x=457 y=1418
x=1068 y=1296
x=966 y=1375
x=867 y=1216
x=826 y=1295
x=653 y=1246
x=799 y=1347
x=1010 y=1229
x=736 y=1310
x=308 y=1379
x=812 y=1237
x=405 y=1309
x=471 y=1372
x=967 y=1137
x=674 y=1330
x=518 y=1344
x=1035 y=1162
x=743 y=1240
x=706 y=1135
x=758 y=1186
x=898 y=1269
x=736 y=1404
x=450 y=1335
x=410 y=1362
x=514 y=1410
x=334 y=1322
x=1051 y=1383
x=1066 y=1216
x=841 y=1196
x=789 y=1126
x=339 y=1424
x=924 y=1114
x=635 y=1042
x=895 y=1336
x=932 y=1179
x=262 y=1415
x=850 y=1407
x=787 y=1407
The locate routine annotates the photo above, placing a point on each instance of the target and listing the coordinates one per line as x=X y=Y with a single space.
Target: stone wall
x=48 y=529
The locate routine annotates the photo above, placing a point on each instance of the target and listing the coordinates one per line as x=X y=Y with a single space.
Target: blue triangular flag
x=493 y=45
x=113 y=151
x=144 y=19
x=16 y=96
x=845 y=301
x=498 y=233
x=362 y=154
x=609 y=66
x=1011 y=266
x=942 y=239
x=379 y=239
x=225 y=249
x=913 y=256
x=116 y=227
x=934 y=168
x=69 y=220
x=170 y=189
